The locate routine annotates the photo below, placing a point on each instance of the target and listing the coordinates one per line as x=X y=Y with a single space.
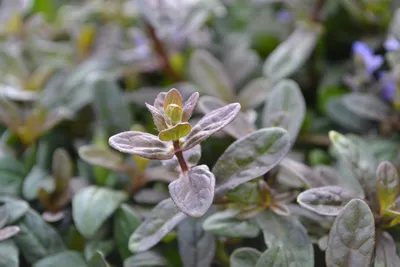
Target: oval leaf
x=385 y=252
x=210 y=124
x=352 y=237
x=285 y=98
x=327 y=200
x=254 y=93
x=63 y=259
x=193 y=192
x=244 y=257
x=145 y=259
x=101 y=156
x=8 y=232
x=366 y=105
x=162 y=219
x=142 y=144
x=250 y=157
x=387 y=185
x=178 y=131
x=9 y=254
x=92 y=206
x=273 y=257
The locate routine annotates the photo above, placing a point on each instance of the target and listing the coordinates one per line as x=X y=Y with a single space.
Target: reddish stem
x=179 y=155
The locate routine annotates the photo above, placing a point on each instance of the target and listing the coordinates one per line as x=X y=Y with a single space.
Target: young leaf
x=189 y=106
x=35 y=180
x=210 y=124
x=145 y=259
x=387 y=185
x=63 y=259
x=37 y=239
x=176 y=132
x=290 y=55
x=225 y=223
x=367 y=106
x=290 y=235
x=8 y=232
x=158 y=117
x=359 y=162
x=62 y=169
x=173 y=97
x=250 y=157
x=209 y=74
x=286 y=97
x=9 y=254
x=238 y=128
x=196 y=247
x=327 y=200
x=162 y=219
x=101 y=156
x=385 y=252
x=126 y=221
x=273 y=257
x=141 y=144
x=254 y=93
x=193 y=192
x=92 y=206
x=244 y=257
x=352 y=237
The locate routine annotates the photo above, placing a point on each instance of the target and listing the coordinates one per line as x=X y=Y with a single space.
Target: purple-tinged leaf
x=327 y=200
x=352 y=237
x=300 y=171
x=173 y=97
x=327 y=175
x=387 y=185
x=159 y=101
x=385 y=251
x=367 y=106
x=189 y=107
x=101 y=156
x=210 y=124
x=193 y=192
x=162 y=219
x=158 y=118
x=142 y=144
x=8 y=232
x=254 y=93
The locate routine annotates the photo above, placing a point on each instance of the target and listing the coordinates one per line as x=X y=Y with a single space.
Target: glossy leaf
x=210 y=124
x=352 y=237
x=101 y=156
x=162 y=219
x=196 y=247
x=273 y=257
x=244 y=257
x=209 y=74
x=387 y=185
x=254 y=93
x=9 y=254
x=8 y=232
x=193 y=192
x=238 y=128
x=176 y=132
x=290 y=235
x=385 y=251
x=367 y=106
x=37 y=239
x=145 y=259
x=63 y=259
x=225 y=223
x=327 y=200
x=250 y=157
x=286 y=97
x=141 y=144
x=92 y=206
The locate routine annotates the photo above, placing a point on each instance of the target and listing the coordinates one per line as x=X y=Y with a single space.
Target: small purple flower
x=389 y=86
x=364 y=52
x=391 y=44
x=284 y=16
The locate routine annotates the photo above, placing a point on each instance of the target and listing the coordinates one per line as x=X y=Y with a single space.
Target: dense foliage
x=242 y=133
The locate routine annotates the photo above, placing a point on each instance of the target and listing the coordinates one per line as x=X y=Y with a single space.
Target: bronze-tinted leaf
x=387 y=185
x=175 y=133
x=173 y=97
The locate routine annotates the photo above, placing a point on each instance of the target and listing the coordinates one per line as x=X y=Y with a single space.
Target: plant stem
x=160 y=50
x=220 y=256
x=179 y=155
x=316 y=14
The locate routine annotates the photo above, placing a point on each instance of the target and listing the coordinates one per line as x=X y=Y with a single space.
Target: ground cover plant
x=184 y=133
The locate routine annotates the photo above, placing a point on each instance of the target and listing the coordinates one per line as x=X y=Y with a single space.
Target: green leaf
x=98 y=261
x=62 y=169
x=288 y=233
x=12 y=175
x=94 y=246
x=176 y=132
x=9 y=254
x=142 y=144
x=291 y=170
x=36 y=179
x=359 y=162
x=92 y=206
x=366 y=105
x=145 y=259
x=244 y=257
x=172 y=97
x=126 y=221
x=285 y=98
x=327 y=175
x=248 y=193
x=255 y=93
x=387 y=185
x=225 y=223
x=193 y=192
x=273 y=257
x=327 y=200
x=290 y=55
x=162 y=219
x=209 y=74
x=249 y=158
x=63 y=259
x=111 y=108
x=37 y=239
x=238 y=128
x=196 y=247
x=15 y=208
x=352 y=237
x=210 y=124
x=101 y=156
x=46 y=7
x=385 y=251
